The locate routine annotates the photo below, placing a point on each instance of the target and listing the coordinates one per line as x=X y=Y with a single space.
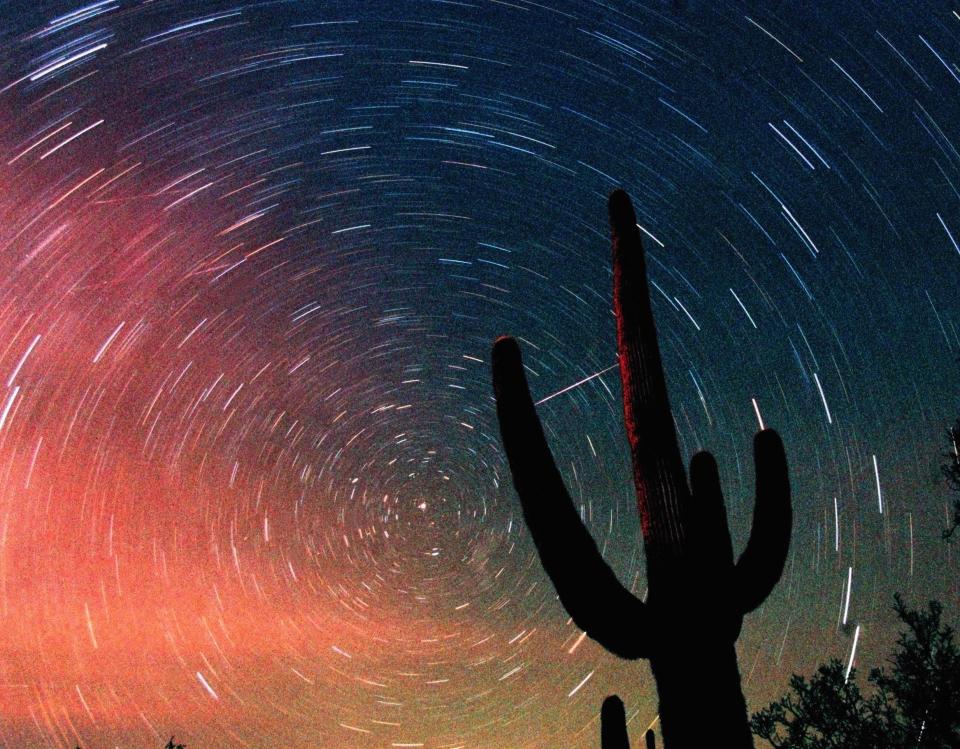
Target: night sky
x=252 y=260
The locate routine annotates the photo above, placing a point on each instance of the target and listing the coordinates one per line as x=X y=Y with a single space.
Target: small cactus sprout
x=613 y=724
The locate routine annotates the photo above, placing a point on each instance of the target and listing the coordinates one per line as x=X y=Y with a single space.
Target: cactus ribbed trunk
x=698 y=681
x=701 y=702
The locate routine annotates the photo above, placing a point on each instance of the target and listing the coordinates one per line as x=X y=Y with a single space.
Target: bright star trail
x=253 y=260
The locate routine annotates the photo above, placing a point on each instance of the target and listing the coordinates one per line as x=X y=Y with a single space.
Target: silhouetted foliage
x=916 y=703
x=951 y=471
x=698 y=595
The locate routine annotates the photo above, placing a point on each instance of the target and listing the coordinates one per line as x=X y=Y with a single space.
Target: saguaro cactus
x=613 y=726
x=697 y=594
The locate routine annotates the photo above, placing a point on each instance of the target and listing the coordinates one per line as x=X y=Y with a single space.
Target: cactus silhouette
x=698 y=595
x=613 y=724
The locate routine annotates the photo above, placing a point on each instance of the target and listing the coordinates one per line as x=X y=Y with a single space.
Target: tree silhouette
x=951 y=471
x=697 y=594
x=915 y=704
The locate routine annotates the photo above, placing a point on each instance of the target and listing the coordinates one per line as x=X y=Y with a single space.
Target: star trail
x=252 y=491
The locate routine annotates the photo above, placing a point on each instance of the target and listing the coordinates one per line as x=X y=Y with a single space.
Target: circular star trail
x=253 y=259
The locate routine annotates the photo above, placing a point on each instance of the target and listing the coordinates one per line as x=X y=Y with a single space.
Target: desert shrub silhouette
x=914 y=704
x=697 y=594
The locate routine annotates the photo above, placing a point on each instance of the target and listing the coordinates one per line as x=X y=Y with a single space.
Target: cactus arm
x=760 y=566
x=658 y=475
x=613 y=724
x=706 y=520
x=588 y=588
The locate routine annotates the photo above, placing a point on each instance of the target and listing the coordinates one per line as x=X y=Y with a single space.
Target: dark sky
x=253 y=258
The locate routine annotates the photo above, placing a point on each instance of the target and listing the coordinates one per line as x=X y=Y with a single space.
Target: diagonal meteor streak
x=577 y=384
